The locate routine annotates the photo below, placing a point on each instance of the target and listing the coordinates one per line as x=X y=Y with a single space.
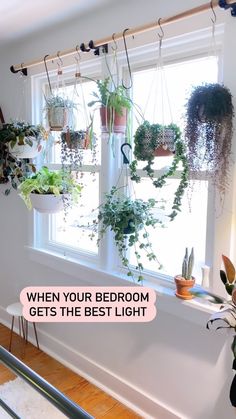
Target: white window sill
x=195 y=311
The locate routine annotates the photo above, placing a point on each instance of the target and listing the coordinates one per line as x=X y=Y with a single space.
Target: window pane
x=74 y=231
x=162 y=99
x=188 y=229
x=174 y=89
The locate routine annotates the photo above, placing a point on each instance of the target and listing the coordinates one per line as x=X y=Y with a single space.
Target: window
x=191 y=227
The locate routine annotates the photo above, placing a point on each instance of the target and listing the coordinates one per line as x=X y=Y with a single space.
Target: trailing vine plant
x=147 y=139
x=128 y=219
x=209 y=131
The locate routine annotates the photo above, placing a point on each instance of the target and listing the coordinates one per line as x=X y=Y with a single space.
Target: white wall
x=171 y=362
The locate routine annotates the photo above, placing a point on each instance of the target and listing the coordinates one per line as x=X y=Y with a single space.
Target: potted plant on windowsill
x=128 y=219
x=149 y=142
x=185 y=281
x=59 y=112
x=47 y=191
x=24 y=140
x=114 y=106
x=226 y=317
x=209 y=131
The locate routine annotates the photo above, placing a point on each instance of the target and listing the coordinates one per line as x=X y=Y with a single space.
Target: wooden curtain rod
x=129 y=32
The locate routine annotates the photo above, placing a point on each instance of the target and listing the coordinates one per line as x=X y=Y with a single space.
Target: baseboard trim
x=141 y=403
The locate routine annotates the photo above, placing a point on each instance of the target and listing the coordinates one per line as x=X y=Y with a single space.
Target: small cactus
x=187 y=266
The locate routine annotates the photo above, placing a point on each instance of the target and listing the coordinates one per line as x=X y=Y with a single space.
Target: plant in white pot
x=59 y=112
x=48 y=191
x=24 y=140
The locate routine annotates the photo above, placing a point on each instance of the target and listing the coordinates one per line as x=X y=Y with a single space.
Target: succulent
x=187 y=266
x=20 y=133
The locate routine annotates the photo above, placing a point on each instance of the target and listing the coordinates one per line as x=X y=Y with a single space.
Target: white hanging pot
x=58 y=118
x=48 y=204
x=26 y=151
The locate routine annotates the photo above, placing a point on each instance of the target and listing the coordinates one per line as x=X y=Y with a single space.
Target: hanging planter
x=49 y=192
x=115 y=105
x=209 y=131
x=49 y=204
x=112 y=121
x=12 y=170
x=185 y=281
x=73 y=145
x=76 y=140
x=126 y=218
x=151 y=140
x=59 y=112
x=24 y=140
x=29 y=150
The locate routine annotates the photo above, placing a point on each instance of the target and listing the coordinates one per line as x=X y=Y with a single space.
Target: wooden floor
x=89 y=397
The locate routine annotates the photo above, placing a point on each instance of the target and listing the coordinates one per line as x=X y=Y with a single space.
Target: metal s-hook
x=115 y=48
x=46 y=68
x=162 y=34
x=213 y=18
x=78 y=53
x=128 y=63
x=125 y=158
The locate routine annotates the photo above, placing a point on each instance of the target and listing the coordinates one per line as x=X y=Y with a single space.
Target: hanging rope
x=46 y=68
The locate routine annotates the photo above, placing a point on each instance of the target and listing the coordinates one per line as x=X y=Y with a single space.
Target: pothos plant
x=47 y=182
x=209 y=131
x=147 y=139
x=129 y=220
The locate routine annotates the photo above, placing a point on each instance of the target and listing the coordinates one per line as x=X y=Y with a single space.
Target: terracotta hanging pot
x=166 y=139
x=162 y=152
x=76 y=140
x=183 y=286
x=112 y=122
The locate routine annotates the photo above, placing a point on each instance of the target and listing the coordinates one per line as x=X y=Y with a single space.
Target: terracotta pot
x=111 y=121
x=81 y=144
x=58 y=118
x=183 y=286
x=26 y=151
x=161 y=152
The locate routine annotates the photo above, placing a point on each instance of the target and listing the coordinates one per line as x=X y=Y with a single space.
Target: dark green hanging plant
x=209 y=131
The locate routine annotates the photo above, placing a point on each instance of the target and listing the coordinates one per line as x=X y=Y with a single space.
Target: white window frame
x=175 y=49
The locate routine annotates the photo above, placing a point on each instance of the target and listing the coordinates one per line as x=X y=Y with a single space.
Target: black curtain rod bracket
x=104 y=48
x=224 y=5
x=21 y=70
